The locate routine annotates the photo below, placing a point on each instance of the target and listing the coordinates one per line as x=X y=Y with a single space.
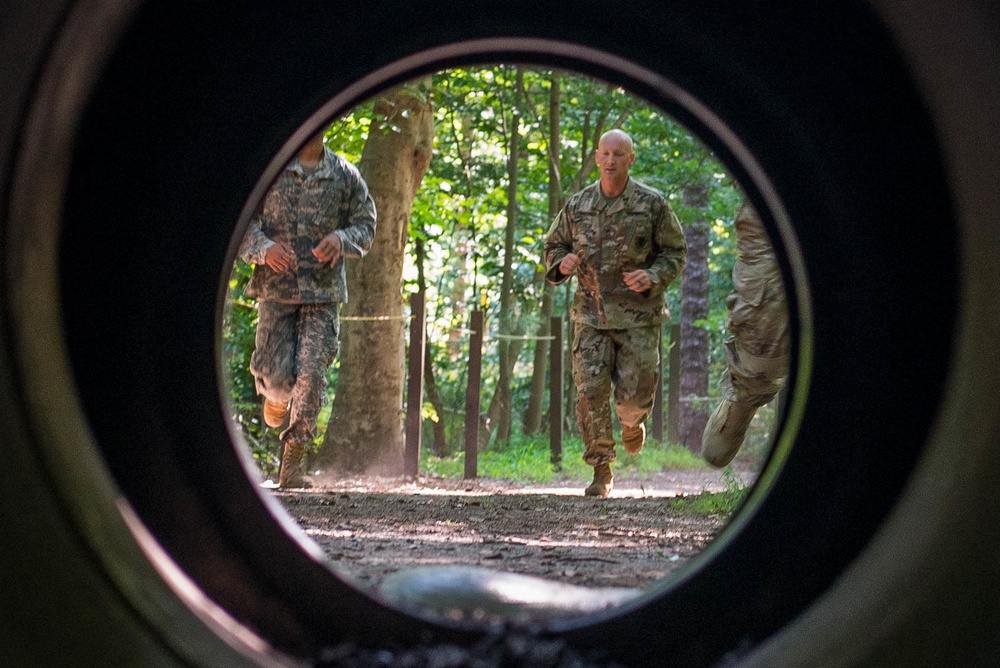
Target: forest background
x=468 y=168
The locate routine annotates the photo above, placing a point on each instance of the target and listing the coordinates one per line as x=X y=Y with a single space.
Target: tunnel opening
x=367 y=518
x=149 y=389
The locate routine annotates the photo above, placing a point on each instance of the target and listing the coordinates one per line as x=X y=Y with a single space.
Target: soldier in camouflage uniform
x=757 y=348
x=317 y=213
x=625 y=245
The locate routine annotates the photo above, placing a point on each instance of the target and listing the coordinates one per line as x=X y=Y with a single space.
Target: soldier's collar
x=601 y=201
x=321 y=168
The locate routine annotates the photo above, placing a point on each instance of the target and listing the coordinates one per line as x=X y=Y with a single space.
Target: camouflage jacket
x=637 y=230
x=302 y=207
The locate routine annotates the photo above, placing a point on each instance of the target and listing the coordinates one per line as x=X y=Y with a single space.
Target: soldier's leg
x=635 y=375
x=593 y=360
x=756 y=358
x=727 y=426
x=318 y=344
x=757 y=350
x=750 y=378
x=272 y=363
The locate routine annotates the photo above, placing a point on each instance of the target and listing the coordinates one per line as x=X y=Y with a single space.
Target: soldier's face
x=314 y=145
x=614 y=158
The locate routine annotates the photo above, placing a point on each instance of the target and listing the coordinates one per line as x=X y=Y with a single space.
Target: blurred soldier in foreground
x=757 y=348
x=625 y=245
x=317 y=213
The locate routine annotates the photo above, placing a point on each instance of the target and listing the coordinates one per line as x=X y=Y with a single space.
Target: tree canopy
x=460 y=214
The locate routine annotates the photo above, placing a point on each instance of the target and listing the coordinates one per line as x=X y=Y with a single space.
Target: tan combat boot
x=603 y=481
x=725 y=431
x=633 y=438
x=274 y=413
x=292 y=467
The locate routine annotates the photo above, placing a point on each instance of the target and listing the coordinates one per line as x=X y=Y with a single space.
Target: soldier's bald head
x=617 y=136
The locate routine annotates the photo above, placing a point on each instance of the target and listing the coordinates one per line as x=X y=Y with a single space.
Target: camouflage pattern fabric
x=636 y=230
x=616 y=344
x=626 y=360
x=298 y=323
x=295 y=346
x=302 y=207
x=757 y=348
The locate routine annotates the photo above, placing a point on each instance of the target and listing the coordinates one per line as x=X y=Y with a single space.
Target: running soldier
x=757 y=348
x=625 y=245
x=317 y=213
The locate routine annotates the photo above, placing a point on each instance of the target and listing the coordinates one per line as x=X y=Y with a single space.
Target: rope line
x=457 y=330
x=487 y=337
x=374 y=318
x=511 y=337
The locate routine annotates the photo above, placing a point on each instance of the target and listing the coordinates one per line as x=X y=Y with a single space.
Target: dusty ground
x=372 y=527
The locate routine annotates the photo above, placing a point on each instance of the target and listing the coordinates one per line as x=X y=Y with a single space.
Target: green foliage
x=528 y=459
x=239 y=326
x=347 y=135
x=725 y=502
x=460 y=215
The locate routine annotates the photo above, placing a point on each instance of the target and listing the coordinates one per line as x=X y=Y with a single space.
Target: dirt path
x=372 y=527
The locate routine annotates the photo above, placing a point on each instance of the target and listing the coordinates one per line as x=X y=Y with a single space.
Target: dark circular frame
x=139 y=175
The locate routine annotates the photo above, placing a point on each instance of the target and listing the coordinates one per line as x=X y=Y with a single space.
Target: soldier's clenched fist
x=329 y=249
x=569 y=264
x=280 y=257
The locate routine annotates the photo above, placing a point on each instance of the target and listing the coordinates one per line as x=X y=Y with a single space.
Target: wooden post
x=415 y=386
x=472 y=399
x=658 y=397
x=674 y=387
x=556 y=354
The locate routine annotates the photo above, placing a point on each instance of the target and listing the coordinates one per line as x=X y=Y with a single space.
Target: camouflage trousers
x=623 y=361
x=295 y=346
x=757 y=350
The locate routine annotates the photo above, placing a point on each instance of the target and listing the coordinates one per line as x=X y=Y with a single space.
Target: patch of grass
x=656 y=457
x=529 y=460
x=525 y=461
x=715 y=503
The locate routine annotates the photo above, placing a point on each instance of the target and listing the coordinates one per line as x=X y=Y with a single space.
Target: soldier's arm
x=254 y=247
x=359 y=234
x=558 y=244
x=672 y=255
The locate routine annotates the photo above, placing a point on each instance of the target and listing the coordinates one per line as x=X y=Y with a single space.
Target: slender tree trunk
x=496 y=409
x=536 y=399
x=366 y=423
x=430 y=384
x=694 y=338
x=536 y=396
x=441 y=448
x=499 y=414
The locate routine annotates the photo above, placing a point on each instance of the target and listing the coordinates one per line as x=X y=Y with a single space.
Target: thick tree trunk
x=366 y=424
x=694 y=339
